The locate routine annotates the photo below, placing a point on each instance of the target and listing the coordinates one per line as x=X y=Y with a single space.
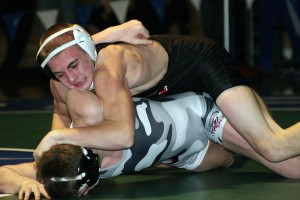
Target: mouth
x=80 y=83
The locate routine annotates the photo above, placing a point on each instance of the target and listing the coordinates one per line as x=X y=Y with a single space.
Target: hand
x=133 y=32
x=85 y=191
x=47 y=142
x=32 y=186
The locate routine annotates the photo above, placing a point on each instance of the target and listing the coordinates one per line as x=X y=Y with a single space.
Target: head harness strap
x=81 y=37
x=88 y=170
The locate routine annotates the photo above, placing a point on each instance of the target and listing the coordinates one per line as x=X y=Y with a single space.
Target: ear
x=85 y=41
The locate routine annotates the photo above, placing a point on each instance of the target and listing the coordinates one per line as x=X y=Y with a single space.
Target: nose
x=72 y=77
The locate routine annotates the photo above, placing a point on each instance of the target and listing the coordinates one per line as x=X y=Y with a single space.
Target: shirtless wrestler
x=172 y=64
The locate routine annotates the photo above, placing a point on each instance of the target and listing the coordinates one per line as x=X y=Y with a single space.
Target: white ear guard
x=81 y=37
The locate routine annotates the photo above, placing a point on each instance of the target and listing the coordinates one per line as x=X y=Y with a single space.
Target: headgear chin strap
x=88 y=170
x=81 y=37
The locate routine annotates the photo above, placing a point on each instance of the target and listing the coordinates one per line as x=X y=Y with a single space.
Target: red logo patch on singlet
x=163 y=90
x=214 y=122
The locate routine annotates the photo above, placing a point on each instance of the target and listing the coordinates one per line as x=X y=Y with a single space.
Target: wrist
x=112 y=33
x=106 y=36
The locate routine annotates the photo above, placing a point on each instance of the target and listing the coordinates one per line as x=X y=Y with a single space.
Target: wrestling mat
x=245 y=180
x=20 y=132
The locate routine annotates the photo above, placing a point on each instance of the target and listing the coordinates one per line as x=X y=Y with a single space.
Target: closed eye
x=73 y=64
x=59 y=74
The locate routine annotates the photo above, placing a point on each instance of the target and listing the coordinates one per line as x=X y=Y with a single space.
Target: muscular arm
x=112 y=88
x=117 y=130
x=131 y=32
x=114 y=67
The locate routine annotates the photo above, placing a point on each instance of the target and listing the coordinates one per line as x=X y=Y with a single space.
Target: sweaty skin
x=114 y=78
x=185 y=64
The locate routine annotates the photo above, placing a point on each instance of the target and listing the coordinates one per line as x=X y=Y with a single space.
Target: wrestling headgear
x=81 y=37
x=88 y=170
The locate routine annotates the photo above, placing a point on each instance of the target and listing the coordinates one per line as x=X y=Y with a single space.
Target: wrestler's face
x=73 y=68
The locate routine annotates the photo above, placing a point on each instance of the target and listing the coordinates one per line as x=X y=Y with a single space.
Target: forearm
x=10 y=180
x=113 y=133
x=106 y=136
x=106 y=36
x=132 y=32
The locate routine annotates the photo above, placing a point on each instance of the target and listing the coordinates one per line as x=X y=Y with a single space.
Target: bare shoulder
x=146 y=52
x=142 y=66
x=58 y=90
x=111 y=51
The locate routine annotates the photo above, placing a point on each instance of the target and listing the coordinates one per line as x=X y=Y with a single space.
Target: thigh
x=215 y=157
x=248 y=115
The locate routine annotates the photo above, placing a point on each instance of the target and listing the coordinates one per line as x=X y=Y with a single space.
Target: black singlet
x=195 y=64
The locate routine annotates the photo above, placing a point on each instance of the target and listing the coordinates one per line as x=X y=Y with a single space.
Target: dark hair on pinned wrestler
x=65 y=170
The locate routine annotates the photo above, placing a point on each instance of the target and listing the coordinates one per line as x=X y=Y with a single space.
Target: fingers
x=144 y=32
x=43 y=191
x=86 y=192
x=143 y=35
x=36 y=193
x=83 y=192
x=36 y=189
x=142 y=29
x=25 y=193
x=142 y=41
x=134 y=32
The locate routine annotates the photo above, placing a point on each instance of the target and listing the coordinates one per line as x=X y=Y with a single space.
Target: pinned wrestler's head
x=68 y=170
x=67 y=54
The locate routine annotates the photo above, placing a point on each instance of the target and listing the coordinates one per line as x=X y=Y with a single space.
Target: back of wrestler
x=171 y=131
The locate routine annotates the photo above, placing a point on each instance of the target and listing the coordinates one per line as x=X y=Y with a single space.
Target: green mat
x=25 y=130
x=245 y=180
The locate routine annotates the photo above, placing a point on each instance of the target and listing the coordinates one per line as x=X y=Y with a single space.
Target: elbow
x=128 y=144
x=124 y=134
x=124 y=140
x=128 y=140
x=128 y=135
x=123 y=143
